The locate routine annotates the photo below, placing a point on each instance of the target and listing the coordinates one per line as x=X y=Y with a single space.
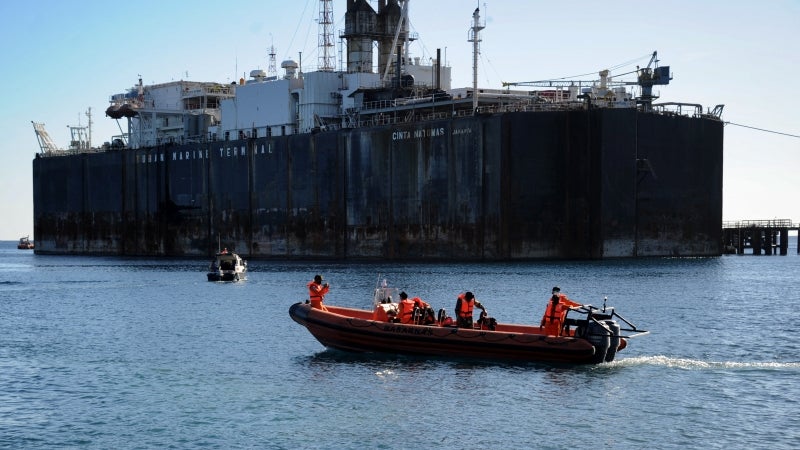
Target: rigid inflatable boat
x=583 y=334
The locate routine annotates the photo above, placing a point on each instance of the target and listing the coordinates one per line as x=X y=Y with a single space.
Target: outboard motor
x=600 y=337
x=613 y=341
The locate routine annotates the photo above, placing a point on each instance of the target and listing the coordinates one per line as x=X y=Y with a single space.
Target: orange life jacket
x=316 y=293
x=555 y=314
x=466 y=306
x=406 y=311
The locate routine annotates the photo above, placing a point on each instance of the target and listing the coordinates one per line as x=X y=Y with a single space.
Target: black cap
x=556 y=290
x=469 y=295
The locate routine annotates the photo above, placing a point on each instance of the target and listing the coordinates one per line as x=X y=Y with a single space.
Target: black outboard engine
x=599 y=336
x=614 y=339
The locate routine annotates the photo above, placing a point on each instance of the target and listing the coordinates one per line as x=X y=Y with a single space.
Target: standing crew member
x=464 y=305
x=555 y=313
x=317 y=291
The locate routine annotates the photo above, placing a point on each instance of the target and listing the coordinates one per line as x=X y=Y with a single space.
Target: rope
x=762 y=129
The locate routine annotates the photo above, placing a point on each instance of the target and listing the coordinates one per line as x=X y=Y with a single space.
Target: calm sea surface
x=143 y=353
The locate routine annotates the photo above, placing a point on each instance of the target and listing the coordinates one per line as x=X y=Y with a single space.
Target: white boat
x=25 y=243
x=227 y=266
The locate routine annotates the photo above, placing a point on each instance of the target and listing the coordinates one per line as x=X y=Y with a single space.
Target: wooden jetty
x=770 y=237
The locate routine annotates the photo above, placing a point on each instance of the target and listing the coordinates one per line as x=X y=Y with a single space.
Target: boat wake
x=696 y=364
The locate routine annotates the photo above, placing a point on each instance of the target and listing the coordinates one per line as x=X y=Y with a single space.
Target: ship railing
x=221 y=89
x=681 y=109
x=69 y=152
x=769 y=223
x=530 y=107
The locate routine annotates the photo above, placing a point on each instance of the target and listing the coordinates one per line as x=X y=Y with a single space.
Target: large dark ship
x=391 y=163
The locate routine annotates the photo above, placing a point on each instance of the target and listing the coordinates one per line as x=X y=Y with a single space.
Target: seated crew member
x=317 y=291
x=405 y=309
x=464 y=305
x=425 y=314
x=556 y=312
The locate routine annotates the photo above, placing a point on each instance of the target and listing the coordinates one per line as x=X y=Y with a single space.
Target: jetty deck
x=768 y=237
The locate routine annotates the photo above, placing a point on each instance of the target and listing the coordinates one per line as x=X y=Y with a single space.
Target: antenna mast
x=475 y=38
x=272 y=70
x=326 y=51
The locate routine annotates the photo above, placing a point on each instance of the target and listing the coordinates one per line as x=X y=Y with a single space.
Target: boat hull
x=225 y=276
x=353 y=330
x=513 y=185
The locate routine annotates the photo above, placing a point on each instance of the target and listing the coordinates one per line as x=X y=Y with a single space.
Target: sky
x=61 y=58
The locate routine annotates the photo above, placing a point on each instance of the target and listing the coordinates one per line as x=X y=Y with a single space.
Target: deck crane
x=46 y=144
x=645 y=77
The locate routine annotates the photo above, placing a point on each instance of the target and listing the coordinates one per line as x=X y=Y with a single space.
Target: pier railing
x=769 y=223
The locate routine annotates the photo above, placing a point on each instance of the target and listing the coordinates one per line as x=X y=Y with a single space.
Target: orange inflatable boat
x=584 y=334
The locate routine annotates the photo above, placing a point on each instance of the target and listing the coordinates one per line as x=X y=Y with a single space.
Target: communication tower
x=272 y=70
x=326 y=51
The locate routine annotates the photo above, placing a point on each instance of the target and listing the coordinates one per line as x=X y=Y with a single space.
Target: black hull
x=226 y=277
x=583 y=184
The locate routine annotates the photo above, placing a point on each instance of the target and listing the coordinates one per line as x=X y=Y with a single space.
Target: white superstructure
x=382 y=84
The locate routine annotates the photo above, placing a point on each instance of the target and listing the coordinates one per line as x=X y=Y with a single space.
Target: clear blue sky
x=61 y=57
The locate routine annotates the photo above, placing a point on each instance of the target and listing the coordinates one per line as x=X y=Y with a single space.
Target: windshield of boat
x=385 y=295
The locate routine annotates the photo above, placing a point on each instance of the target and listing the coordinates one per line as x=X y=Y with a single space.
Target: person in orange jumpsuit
x=556 y=312
x=317 y=291
x=427 y=314
x=464 y=305
x=407 y=307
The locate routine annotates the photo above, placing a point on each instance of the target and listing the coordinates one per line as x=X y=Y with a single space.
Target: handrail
x=768 y=223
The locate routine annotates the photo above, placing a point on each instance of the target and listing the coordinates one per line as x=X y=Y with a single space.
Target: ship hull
x=580 y=184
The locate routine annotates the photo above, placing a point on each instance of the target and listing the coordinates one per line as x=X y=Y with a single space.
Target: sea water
x=145 y=353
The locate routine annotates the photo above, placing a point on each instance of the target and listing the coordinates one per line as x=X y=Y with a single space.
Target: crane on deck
x=46 y=144
x=646 y=78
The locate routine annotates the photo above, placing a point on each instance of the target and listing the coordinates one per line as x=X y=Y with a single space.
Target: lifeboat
x=120 y=111
x=589 y=335
x=114 y=112
x=128 y=110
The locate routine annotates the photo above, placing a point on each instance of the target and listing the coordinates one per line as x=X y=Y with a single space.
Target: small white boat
x=25 y=243
x=227 y=266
